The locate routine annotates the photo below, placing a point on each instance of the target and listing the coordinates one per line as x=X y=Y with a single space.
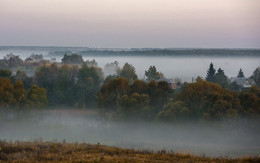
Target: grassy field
x=74 y=152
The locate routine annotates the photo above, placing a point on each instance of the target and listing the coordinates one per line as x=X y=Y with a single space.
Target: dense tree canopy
x=16 y=96
x=209 y=101
x=122 y=94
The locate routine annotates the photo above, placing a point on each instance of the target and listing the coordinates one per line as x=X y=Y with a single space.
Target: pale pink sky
x=131 y=23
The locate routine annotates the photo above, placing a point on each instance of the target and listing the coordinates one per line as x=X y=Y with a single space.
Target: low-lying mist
x=233 y=138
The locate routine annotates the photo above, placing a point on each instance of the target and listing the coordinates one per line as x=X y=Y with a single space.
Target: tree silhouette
x=221 y=78
x=211 y=73
x=152 y=73
x=128 y=72
x=240 y=74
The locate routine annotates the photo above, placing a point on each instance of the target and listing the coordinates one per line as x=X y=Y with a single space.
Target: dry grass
x=74 y=152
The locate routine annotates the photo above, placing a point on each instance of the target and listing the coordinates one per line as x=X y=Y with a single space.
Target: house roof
x=167 y=80
x=242 y=81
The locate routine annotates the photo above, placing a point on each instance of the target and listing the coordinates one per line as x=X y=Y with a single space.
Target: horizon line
x=168 y=48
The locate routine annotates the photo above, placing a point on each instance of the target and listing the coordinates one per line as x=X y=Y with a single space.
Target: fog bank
x=234 y=138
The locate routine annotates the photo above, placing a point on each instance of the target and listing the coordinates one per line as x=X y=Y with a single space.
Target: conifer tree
x=240 y=74
x=211 y=73
x=221 y=78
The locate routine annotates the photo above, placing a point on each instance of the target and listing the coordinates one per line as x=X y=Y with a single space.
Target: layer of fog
x=230 y=138
x=172 y=67
x=185 y=67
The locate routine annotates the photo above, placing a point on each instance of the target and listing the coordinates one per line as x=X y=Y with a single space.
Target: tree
x=234 y=86
x=110 y=77
x=110 y=94
x=193 y=94
x=89 y=80
x=221 y=78
x=64 y=87
x=128 y=72
x=21 y=75
x=256 y=76
x=198 y=78
x=12 y=60
x=36 y=97
x=90 y=63
x=6 y=93
x=35 y=57
x=250 y=101
x=152 y=73
x=19 y=92
x=46 y=77
x=112 y=69
x=135 y=106
x=5 y=73
x=217 y=105
x=211 y=73
x=174 y=111
x=240 y=74
x=72 y=59
x=140 y=87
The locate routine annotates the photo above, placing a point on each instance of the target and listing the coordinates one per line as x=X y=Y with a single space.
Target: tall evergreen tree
x=221 y=78
x=211 y=73
x=240 y=74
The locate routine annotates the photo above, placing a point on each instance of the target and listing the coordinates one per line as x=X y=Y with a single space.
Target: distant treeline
x=76 y=83
x=165 y=52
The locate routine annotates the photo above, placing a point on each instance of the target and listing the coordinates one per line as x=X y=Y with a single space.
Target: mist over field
x=231 y=138
x=130 y=81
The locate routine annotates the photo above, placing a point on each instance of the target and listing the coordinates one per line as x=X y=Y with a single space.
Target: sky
x=131 y=23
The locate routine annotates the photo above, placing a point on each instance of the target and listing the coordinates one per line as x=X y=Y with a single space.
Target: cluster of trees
x=139 y=100
x=220 y=78
x=209 y=101
x=201 y=100
x=70 y=85
x=72 y=59
x=123 y=95
x=14 y=63
x=10 y=61
x=16 y=96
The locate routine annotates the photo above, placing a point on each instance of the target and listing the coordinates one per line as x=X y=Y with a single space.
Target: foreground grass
x=74 y=152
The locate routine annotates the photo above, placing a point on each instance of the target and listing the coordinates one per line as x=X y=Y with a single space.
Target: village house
x=242 y=82
x=172 y=84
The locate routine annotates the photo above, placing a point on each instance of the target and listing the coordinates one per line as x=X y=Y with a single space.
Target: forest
x=35 y=83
